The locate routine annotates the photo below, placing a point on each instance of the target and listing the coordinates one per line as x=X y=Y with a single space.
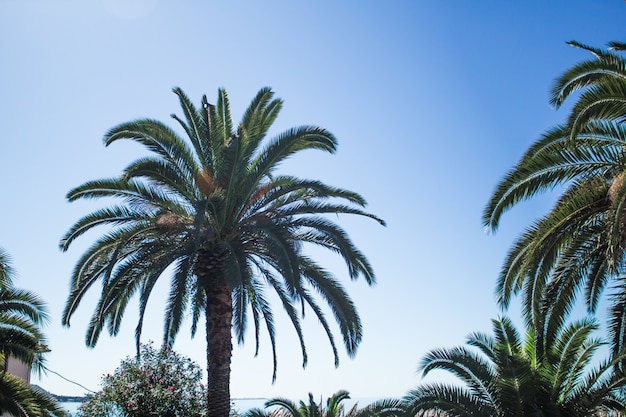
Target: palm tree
x=283 y=407
x=21 y=316
x=213 y=209
x=579 y=244
x=546 y=374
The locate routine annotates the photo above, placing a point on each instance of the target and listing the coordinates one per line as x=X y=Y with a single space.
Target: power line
x=68 y=380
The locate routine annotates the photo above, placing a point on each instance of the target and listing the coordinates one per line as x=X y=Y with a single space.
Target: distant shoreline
x=64 y=398
x=82 y=398
x=79 y=399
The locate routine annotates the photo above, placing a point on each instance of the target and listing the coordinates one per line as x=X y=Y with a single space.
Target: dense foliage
x=547 y=373
x=579 y=246
x=157 y=383
x=22 y=314
x=334 y=407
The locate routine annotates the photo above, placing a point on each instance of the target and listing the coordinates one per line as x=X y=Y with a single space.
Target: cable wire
x=68 y=380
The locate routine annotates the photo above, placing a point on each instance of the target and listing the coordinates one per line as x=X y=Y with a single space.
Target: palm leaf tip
x=617 y=46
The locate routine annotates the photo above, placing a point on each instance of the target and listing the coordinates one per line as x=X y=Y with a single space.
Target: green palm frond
x=295 y=189
x=583 y=261
x=572 y=350
x=617 y=46
x=605 y=101
x=617 y=318
x=544 y=247
x=550 y=167
x=590 y=72
x=484 y=342
x=257 y=412
x=331 y=236
x=24 y=303
x=340 y=305
x=259 y=117
x=6 y=270
x=261 y=310
x=288 y=305
x=20 y=339
x=223 y=115
x=472 y=369
x=194 y=126
x=333 y=407
x=158 y=138
x=602 y=386
x=113 y=215
x=284 y=146
x=98 y=261
x=386 y=407
x=178 y=297
x=132 y=192
x=287 y=405
x=20 y=399
x=165 y=174
x=445 y=400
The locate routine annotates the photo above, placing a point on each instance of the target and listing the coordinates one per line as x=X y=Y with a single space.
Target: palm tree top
x=549 y=371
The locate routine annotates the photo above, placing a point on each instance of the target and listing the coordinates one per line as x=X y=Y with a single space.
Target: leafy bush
x=157 y=383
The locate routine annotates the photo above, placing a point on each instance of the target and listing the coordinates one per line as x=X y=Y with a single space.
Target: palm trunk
x=219 y=313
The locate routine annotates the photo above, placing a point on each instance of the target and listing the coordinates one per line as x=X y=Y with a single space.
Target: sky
x=432 y=103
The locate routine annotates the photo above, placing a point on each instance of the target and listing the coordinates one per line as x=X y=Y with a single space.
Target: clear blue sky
x=432 y=102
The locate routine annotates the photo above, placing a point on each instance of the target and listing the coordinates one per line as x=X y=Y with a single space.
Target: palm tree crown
x=579 y=244
x=283 y=407
x=212 y=207
x=546 y=374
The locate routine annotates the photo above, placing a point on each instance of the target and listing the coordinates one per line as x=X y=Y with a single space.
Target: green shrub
x=157 y=383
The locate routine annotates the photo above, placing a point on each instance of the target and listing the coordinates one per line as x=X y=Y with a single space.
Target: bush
x=157 y=383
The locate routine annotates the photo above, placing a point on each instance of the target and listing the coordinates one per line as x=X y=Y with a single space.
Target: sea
x=241 y=404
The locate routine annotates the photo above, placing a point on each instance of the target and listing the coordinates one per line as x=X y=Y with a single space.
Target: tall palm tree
x=212 y=207
x=546 y=374
x=21 y=316
x=579 y=244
